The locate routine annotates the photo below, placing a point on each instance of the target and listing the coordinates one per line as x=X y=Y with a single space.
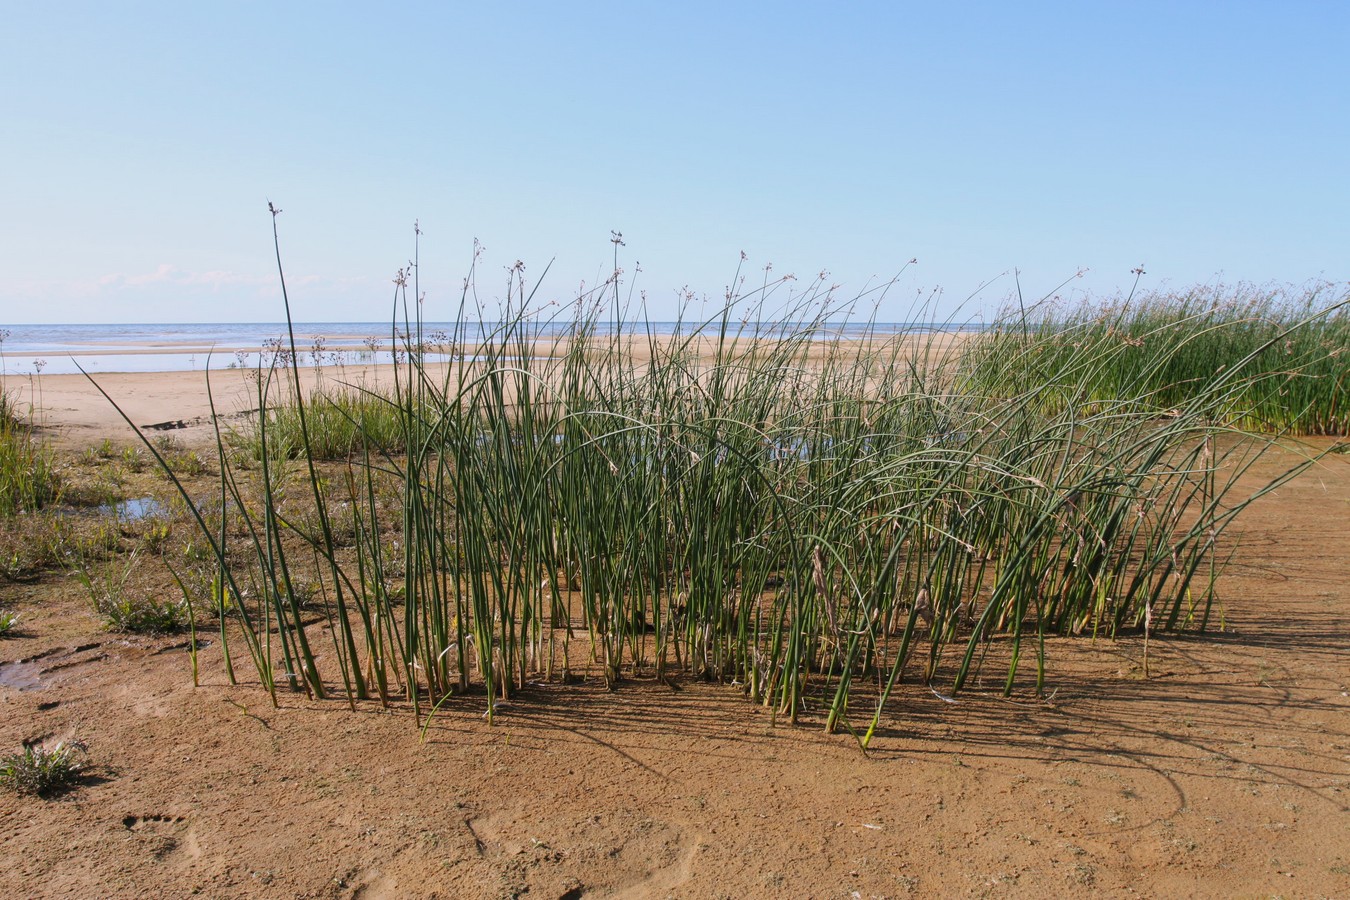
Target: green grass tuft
x=28 y=476
x=1283 y=355
x=44 y=772
x=339 y=422
x=122 y=608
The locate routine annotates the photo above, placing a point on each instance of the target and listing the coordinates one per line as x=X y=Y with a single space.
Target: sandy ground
x=1224 y=773
x=74 y=414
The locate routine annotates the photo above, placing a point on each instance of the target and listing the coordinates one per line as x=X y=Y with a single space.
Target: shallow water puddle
x=135 y=509
x=22 y=675
x=29 y=674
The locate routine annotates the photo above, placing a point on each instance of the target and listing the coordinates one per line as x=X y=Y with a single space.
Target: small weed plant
x=44 y=771
x=180 y=458
x=142 y=614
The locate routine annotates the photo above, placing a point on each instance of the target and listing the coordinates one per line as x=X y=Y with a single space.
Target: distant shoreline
x=186 y=347
x=69 y=407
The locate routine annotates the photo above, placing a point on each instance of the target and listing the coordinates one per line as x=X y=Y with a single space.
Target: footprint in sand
x=164 y=836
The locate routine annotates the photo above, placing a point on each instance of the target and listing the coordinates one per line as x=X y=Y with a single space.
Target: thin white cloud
x=168 y=274
x=167 y=290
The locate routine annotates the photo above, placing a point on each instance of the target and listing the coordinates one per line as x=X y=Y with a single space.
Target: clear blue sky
x=142 y=141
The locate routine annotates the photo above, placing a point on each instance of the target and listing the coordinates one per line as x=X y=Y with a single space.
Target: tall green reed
x=29 y=479
x=1283 y=349
x=743 y=496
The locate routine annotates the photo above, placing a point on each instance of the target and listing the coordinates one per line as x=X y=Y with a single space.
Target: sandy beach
x=455 y=452
x=70 y=409
x=1222 y=771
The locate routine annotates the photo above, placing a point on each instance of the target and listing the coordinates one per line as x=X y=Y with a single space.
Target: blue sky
x=1207 y=141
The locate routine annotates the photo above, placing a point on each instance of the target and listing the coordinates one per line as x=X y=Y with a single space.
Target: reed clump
x=1284 y=352
x=28 y=476
x=746 y=497
x=340 y=420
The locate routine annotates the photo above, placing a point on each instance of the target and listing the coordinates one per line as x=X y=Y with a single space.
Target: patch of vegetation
x=124 y=609
x=338 y=423
x=103 y=451
x=28 y=476
x=180 y=458
x=9 y=623
x=134 y=459
x=44 y=772
x=142 y=614
x=9 y=407
x=1280 y=357
x=31 y=544
x=752 y=498
x=188 y=462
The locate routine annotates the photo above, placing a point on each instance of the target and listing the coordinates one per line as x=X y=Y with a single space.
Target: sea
x=179 y=347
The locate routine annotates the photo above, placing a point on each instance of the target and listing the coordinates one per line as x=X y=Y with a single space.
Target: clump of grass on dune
x=1285 y=354
x=745 y=497
x=28 y=476
x=340 y=421
x=10 y=415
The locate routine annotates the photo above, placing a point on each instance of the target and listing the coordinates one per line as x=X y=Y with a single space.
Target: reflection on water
x=135 y=509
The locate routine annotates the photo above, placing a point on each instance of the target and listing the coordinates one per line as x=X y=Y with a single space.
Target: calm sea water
x=55 y=349
x=170 y=347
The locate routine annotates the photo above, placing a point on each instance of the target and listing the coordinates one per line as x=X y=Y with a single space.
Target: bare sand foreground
x=1225 y=773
